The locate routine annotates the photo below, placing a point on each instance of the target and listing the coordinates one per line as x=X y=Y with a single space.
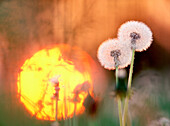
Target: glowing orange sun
x=36 y=90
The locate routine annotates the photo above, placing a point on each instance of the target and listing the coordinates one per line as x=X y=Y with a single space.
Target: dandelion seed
x=136 y=34
x=112 y=53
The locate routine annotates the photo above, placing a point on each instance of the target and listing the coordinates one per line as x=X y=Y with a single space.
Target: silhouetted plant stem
x=65 y=107
x=74 y=117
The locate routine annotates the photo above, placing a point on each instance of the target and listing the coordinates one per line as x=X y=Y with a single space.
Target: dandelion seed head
x=136 y=34
x=112 y=53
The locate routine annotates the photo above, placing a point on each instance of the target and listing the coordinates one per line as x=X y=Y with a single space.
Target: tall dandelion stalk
x=111 y=55
x=119 y=53
x=138 y=37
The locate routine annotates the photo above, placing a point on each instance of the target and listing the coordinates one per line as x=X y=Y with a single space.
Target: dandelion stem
x=131 y=69
x=125 y=111
x=119 y=102
x=120 y=110
x=129 y=87
x=117 y=81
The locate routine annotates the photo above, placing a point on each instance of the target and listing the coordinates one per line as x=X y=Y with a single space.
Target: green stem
x=117 y=81
x=120 y=110
x=129 y=87
x=131 y=69
x=119 y=99
x=125 y=111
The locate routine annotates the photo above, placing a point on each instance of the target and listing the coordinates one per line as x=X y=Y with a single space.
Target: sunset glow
x=36 y=91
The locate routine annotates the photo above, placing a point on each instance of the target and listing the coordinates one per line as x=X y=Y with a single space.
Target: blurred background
x=31 y=25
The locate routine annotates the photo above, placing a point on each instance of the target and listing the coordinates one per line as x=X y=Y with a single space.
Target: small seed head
x=112 y=54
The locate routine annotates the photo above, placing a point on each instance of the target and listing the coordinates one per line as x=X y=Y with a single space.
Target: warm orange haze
x=36 y=90
x=42 y=39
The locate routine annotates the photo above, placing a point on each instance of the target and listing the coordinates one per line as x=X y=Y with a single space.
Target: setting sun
x=36 y=90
